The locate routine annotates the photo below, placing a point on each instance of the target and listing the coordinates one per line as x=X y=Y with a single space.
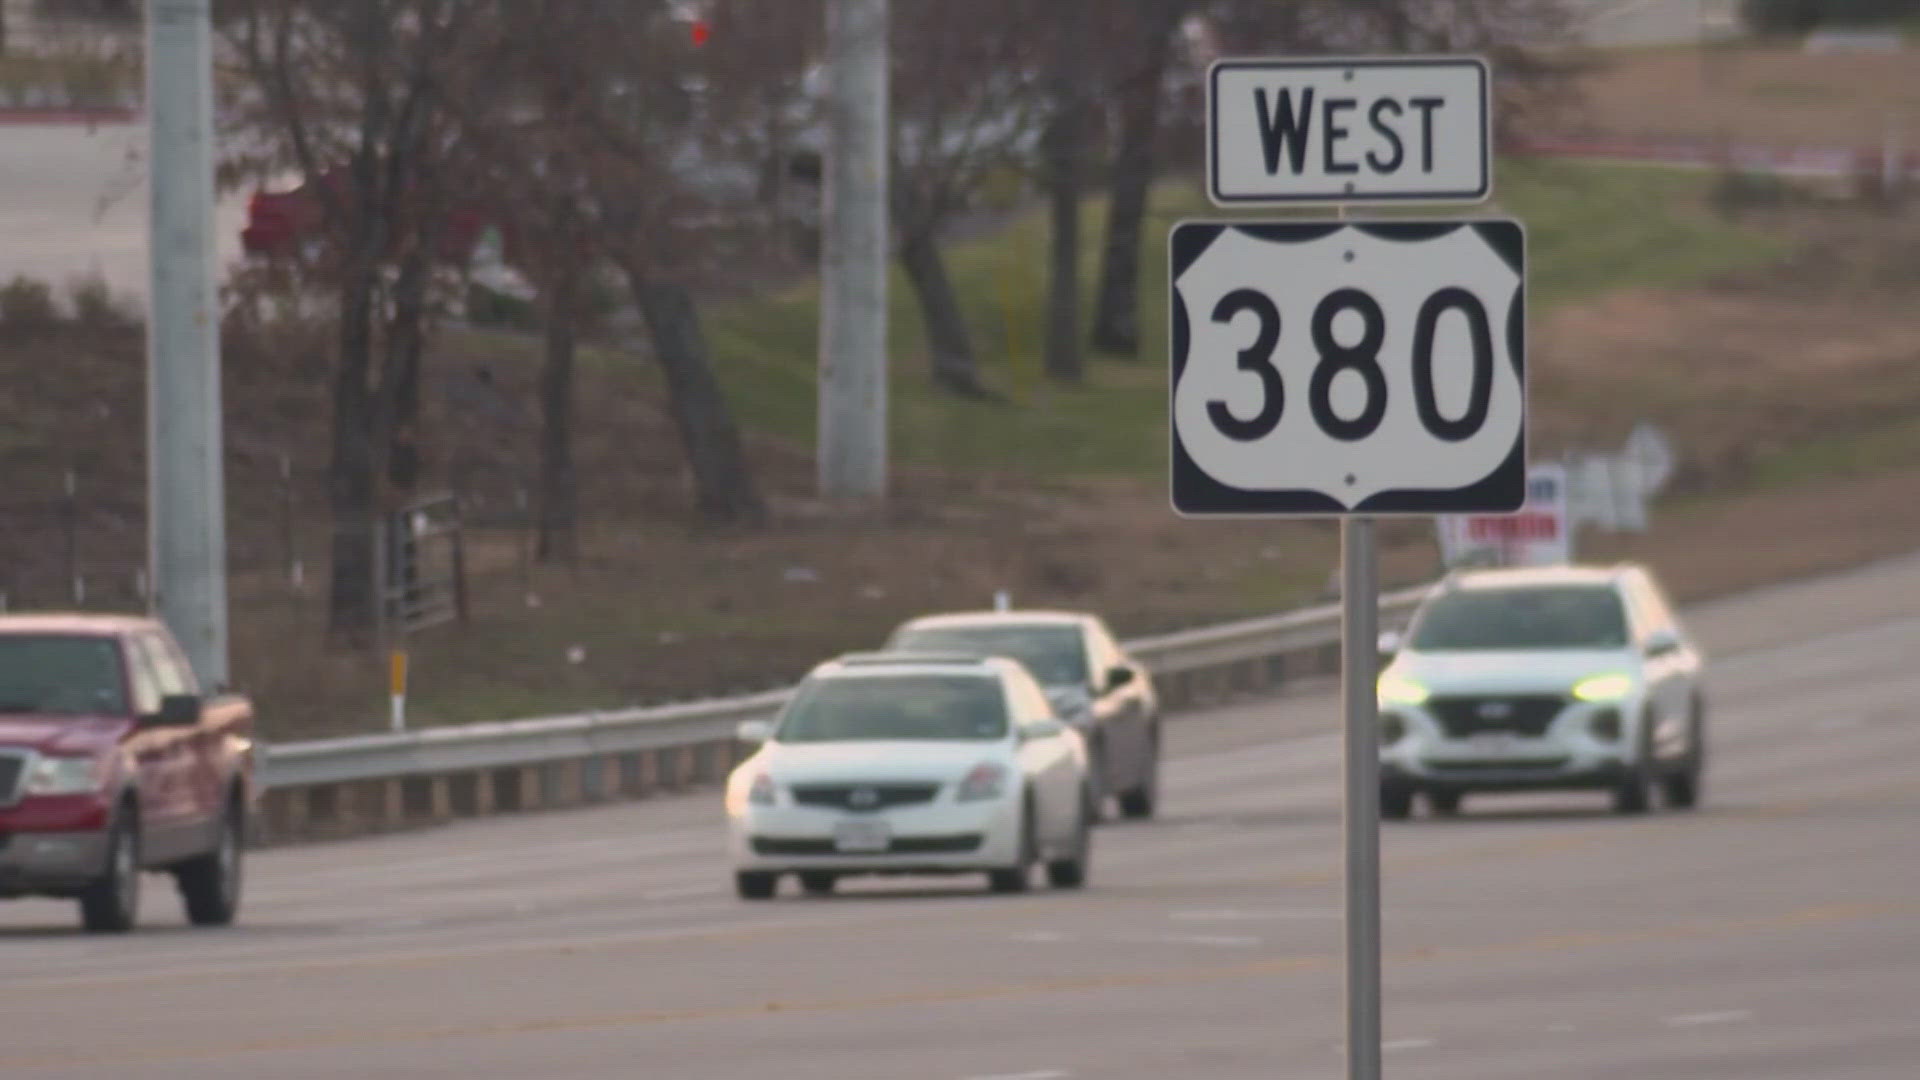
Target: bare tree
x=668 y=193
x=965 y=108
x=1067 y=146
x=1136 y=83
x=344 y=92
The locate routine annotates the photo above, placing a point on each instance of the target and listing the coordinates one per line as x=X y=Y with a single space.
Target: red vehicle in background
x=112 y=763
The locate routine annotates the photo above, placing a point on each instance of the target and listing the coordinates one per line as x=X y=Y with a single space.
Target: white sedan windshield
x=897 y=707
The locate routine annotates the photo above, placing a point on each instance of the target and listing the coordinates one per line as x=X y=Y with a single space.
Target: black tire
x=1634 y=793
x=755 y=884
x=111 y=904
x=210 y=884
x=1141 y=802
x=1072 y=873
x=1396 y=802
x=1444 y=803
x=1681 y=790
x=1097 y=779
x=1016 y=878
x=818 y=882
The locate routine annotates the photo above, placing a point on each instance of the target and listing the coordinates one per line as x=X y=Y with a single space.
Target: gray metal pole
x=854 y=255
x=1360 y=637
x=186 y=487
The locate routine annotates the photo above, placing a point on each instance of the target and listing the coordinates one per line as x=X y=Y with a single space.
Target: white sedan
x=911 y=764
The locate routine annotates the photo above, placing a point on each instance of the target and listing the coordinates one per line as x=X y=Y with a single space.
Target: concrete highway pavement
x=1774 y=933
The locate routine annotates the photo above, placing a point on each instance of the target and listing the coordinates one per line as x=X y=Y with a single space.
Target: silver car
x=1091 y=681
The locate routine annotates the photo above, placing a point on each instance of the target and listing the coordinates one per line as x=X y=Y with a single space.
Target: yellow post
x=398 y=689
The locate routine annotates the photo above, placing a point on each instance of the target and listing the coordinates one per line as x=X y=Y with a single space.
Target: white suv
x=1559 y=678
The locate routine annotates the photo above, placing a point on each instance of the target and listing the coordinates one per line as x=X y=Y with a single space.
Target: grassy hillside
x=1590 y=229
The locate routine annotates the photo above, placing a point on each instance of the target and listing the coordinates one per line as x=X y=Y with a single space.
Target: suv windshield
x=1054 y=654
x=60 y=675
x=1531 y=617
x=910 y=707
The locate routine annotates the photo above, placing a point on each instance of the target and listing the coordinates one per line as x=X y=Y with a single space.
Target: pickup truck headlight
x=65 y=775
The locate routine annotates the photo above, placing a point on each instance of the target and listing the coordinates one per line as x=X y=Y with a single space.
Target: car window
x=911 y=707
x=1521 y=618
x=61 y=675
x=1056 y=654
x=146 y=681
x=169 y=672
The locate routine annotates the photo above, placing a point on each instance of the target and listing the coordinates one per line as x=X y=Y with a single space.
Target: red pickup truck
x=113 y=763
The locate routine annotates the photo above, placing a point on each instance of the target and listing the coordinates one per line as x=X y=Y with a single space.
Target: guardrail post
x=593 y=779
x=566 y=785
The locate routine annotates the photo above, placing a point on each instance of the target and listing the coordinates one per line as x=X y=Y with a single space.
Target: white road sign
x=1399 y=129
x=1362 y=368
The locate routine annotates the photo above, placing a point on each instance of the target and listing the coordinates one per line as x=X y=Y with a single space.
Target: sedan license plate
x=862 y=836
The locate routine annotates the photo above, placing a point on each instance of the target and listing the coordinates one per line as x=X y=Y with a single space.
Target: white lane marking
x=1251 y=916
x=1040 y=937
x=1395 y=1046
x=1043 y=1074
x=1216 y=940
x=1730 y=1016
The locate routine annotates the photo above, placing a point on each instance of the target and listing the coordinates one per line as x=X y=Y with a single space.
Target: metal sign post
x=1349 y=369
x=1359 y=644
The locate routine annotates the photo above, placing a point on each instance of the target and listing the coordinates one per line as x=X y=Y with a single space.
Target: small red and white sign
x=1539 y=535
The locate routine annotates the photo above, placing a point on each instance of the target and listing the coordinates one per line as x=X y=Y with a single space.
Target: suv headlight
x=1610 y=687
x=65 y=775
x=1400 y=690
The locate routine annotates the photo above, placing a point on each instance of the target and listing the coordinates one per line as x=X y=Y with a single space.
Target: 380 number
x=1361 y=358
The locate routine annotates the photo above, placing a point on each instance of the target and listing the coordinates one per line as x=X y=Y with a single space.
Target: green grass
x=1590 y=229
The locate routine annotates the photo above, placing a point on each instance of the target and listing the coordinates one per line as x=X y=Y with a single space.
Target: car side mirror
x=753 y=731
x=177 y=710
x=1390 y=643
x=1662 y=643
x=1118 y=677
x=1042 y=729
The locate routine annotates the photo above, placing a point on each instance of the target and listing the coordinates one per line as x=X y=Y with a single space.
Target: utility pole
x=186 y=496
x=854 y=256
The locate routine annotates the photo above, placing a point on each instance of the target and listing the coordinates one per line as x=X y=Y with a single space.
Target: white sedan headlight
x=65 y=775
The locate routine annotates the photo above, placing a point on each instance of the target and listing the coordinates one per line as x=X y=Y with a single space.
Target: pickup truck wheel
x=111 y=905
x=210 y=884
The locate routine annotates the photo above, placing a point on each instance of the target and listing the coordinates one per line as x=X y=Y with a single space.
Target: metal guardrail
x=372 y=782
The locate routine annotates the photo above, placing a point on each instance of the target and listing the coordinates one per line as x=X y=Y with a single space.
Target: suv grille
x=1517 y=714
x=13 y=772
x=863 y=798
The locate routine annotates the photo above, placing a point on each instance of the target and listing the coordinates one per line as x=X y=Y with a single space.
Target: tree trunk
x=350 y=474
x=406 y=342
x=723 y=483
x=1116 y=314
x=559 y=499
x=1063 y=146
x=947 y=339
